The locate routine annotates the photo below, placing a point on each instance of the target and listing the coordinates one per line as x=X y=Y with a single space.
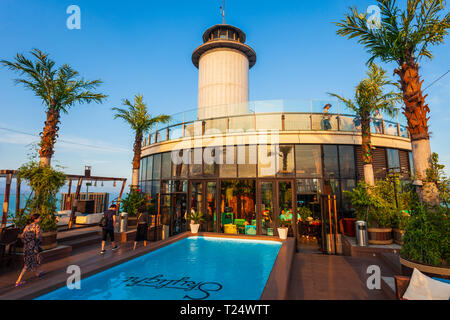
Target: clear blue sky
x=146 y=46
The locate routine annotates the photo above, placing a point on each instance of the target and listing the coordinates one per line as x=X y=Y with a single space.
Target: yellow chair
x=230 y=228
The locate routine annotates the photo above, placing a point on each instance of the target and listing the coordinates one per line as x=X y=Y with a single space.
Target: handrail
x=313 y=121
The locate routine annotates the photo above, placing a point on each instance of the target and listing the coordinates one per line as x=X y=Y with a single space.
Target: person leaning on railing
x=326 y=125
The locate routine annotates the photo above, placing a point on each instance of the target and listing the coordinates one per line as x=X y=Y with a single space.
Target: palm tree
x=58 y=88
x=141 y=121
x=404 y=37
x=370 y=96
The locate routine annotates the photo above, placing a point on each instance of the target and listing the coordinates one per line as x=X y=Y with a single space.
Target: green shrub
x=304 y=212
x=427 y=236
x=45 y=183
x=134 y=202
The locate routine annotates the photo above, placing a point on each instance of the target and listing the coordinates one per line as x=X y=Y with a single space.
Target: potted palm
x=45 y=183
x=196 y=218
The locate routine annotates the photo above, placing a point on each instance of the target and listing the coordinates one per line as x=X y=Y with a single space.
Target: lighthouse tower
x=223 y=61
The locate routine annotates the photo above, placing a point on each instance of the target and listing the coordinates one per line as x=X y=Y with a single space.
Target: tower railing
x=280 y=115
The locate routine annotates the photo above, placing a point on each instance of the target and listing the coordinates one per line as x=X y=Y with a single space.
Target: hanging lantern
x=114 y=184
x=102 y=183
x=95 y=183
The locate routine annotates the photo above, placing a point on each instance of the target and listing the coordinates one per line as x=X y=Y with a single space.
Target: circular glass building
x=247 y=165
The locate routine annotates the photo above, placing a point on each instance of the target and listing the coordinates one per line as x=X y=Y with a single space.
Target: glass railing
x=279 y=115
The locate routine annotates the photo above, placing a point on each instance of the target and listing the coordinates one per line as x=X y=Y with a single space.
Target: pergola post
x=18 y=183
x=120 y=195
x=6 y=201
x=74 y=207
x=67 y=202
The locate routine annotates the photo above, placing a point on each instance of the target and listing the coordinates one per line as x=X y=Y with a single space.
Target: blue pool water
x=192 y=268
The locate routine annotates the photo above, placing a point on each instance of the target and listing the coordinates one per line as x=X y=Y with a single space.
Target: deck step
x=393 y=261
x=67 y=236
x=84 y=242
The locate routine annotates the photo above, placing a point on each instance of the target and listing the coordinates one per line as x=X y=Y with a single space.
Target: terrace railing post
x=383 y=127
x=167 y=133
x=183 y=128
x=398 y=130
x=203 y=127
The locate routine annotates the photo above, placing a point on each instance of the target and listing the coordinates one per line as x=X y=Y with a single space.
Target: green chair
x=227 y=218
x=240 y=224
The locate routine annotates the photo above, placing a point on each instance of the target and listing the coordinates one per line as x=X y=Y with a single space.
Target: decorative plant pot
x=48 y=241
x=132 y=221
x=282 y=233
x=408 y=266
x=380 y=235
x=398 y=235
x=194 y=227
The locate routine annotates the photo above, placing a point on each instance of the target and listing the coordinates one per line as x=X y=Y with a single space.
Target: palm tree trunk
x=136 y=160
x=48 y=137
x=416 y=112
x=367 y=150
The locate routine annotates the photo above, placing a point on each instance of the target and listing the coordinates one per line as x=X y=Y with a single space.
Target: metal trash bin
x=361 y=233
x=123 y=222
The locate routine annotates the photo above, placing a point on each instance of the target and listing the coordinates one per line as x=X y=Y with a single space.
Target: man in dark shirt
x=110 y=219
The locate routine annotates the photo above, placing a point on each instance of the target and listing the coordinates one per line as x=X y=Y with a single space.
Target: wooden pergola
x=10 y=174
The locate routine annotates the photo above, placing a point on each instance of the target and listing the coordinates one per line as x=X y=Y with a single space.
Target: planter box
x=380 y=235
x=408 y=266
x=48 y=241
x=132 y=222
x=348 y=226
x=398 y=235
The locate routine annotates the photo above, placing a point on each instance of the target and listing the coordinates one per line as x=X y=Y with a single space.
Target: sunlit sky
x=146 y=46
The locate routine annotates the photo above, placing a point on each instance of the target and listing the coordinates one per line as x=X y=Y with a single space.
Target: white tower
x=223 y=61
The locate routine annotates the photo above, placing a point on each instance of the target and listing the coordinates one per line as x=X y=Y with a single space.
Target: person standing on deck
x=31 y=238
x=142 y=227
x=326 y=117
x=108 y=229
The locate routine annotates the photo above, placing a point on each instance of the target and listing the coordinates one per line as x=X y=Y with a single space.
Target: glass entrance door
x=267 y=207
x=179 y=208
x=285 y=204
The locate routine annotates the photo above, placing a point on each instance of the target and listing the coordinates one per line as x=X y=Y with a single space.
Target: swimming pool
x=194 y=268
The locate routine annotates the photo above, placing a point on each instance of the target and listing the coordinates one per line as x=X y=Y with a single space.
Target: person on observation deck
x=109 y=217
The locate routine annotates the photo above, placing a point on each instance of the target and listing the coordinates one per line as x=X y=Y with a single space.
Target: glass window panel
x=227 y=162
x=149 y=170
x=238 y=206
x=411 y=162
x=297 y=121
x=308 y=191
x=166 y=168
x=166 y=186
x=246 y=158
x=241 y=123
x=196 y=196
x=210 y=160
x=393 y=159
x=180 y=186
x=267 y=160
x=268 y=122
x=308 y=160
x=211 y=205
x=330 y=161
x=346 y=207
x=182 y=158
x=308 y=186
x=347 y=161
x=267 y=209
x=143 y=169
x=216 y=126
x=176 y=132
x=195 y=167
x=285 y=160
x=156 y=166
x=324 y=122
x=285 y=202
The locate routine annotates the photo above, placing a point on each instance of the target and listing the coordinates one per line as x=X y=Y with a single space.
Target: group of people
x=32 y=239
